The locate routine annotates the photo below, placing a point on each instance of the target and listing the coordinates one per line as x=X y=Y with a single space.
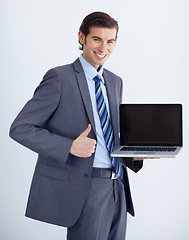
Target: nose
x=102 y=47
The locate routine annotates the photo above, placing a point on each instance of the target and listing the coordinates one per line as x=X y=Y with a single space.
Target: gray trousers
x=104 y=215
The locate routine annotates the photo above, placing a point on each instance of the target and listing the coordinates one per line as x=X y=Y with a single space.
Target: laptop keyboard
x=157 y=149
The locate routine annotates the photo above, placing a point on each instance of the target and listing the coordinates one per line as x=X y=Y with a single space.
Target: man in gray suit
x=75 y=184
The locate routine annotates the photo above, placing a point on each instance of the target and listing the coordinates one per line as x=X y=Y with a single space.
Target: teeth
x=100 y=55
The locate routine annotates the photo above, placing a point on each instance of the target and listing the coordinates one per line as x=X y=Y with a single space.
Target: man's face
x=98 y=45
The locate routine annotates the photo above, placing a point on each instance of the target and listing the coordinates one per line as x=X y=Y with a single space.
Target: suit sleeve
x=28 y=128
x=129 y=162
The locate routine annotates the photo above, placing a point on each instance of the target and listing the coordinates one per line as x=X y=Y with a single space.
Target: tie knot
x=97 y=79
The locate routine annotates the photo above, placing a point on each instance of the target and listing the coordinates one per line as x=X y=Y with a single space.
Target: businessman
x=72 y=123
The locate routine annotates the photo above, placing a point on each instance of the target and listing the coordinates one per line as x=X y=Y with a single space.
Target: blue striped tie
x=106 y=125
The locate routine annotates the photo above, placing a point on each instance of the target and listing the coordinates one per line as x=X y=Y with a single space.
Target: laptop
x=150 y=130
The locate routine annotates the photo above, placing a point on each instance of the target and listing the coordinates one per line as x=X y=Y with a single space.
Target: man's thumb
x=87 y=131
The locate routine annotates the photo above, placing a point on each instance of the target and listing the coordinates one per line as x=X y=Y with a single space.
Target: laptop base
x=170 y=152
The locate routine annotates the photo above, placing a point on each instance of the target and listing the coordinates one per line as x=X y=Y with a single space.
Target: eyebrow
x=95 y=37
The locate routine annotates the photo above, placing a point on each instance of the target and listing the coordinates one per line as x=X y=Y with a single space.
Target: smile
x=100 y=55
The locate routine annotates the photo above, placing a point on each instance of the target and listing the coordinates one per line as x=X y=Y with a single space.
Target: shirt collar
x=89 y=70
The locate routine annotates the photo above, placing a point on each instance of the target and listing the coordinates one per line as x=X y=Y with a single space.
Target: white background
x=151 y=56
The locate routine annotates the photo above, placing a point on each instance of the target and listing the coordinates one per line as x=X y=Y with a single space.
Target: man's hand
x=83 y=146
x=139 y=159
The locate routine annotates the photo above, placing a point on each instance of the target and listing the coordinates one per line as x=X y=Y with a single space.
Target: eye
x=111 y=41
x=96 y=39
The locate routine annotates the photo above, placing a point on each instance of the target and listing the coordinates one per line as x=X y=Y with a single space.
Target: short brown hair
x=97 y=19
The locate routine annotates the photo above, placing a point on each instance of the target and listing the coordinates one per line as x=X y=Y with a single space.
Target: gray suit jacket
x=58 y=113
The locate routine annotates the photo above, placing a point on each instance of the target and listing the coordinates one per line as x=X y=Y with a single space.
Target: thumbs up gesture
x=83 y=146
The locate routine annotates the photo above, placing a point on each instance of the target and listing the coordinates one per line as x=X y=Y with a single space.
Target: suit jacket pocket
x=52 y=171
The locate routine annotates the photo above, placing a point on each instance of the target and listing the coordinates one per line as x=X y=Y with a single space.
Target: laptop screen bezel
x=126 y=139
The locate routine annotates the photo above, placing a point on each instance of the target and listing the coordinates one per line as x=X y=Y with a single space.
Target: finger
x=87 y=131
x=138 y=159
x=135 y=159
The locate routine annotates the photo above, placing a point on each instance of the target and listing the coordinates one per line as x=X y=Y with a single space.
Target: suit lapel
x=82 y=83
x=112 y=103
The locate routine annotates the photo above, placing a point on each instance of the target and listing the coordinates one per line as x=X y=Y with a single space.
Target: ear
x=81 y=37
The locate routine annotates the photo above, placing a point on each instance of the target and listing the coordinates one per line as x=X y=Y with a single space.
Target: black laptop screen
x=151 y=124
